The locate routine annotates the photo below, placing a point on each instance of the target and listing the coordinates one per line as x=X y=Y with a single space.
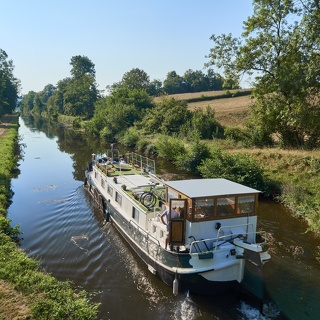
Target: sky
x=156 y=36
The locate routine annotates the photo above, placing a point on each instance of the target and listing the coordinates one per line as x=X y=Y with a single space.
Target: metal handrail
x=141 y=161
x=217 y=240
x=142 y=231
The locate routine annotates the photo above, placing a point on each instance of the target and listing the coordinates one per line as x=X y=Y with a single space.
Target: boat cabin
x=210 y=208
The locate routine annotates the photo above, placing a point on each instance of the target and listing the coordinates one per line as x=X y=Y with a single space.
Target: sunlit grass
x=26 y=292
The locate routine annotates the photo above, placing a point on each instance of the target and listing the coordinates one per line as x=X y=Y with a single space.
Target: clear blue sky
x=157 y=36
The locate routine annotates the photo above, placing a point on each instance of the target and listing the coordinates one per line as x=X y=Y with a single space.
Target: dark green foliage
x=9 y=85
x=81 y=65
x=235 y=133
x=80 y=96
x=169 y=147
x=280 y=44
x=73 y=96
x=118 y=112
x=76 y=124
x=130 y=137
x=174 y=84
x=193 y=157
x=205 y=124
x=7 y=229
x=240 y=168
x=139 y=98
x=166 y=117
x=193 y=81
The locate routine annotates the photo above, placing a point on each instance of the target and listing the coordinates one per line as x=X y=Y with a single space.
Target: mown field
x=229 y=111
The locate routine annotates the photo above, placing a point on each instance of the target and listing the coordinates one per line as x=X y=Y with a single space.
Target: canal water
x=63 y=228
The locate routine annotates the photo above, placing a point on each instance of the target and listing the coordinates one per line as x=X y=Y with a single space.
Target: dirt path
x=6 y=121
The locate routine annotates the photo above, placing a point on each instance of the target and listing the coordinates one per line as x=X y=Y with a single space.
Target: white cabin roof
x=197 y=188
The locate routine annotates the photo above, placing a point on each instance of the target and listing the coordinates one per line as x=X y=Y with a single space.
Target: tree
x=166 y=117
x=118 y=112
x=80 y=96
x=204 y=122
x=280 y=46
x=80 y=93
x=155 y=88
x=9 y=85
x=215 y=80
x=135 y=79
x=82 y=65
x=195 y=81
x=46 y=93
x=174 y=84
x=27 y=102
x=57 y=102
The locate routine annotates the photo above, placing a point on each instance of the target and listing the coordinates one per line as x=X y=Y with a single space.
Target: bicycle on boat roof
x=150 y=197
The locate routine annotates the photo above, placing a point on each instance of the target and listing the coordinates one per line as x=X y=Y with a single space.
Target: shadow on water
x=63 y=227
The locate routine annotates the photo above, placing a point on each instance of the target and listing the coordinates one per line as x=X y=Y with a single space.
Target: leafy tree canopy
x=166 y=117
x=9 y=85
x=82 y=65
x=119 y=111
x=280 y=47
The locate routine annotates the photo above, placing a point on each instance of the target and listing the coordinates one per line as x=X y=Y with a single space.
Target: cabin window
x=118 y=198
x=172 y=194
x=109 y=189
x=135 y=214
x=102 y=182
x=95 y=174
x=204 y=209
x=226 y=206
x=246 y=204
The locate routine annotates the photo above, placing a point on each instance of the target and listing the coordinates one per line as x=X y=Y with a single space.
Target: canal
x=63 y=228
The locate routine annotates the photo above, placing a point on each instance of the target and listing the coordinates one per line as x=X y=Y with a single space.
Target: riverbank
x=26 y=292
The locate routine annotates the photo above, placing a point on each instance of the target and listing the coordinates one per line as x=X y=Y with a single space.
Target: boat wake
x=270 y=311
x=186 y=309
x=182 y=305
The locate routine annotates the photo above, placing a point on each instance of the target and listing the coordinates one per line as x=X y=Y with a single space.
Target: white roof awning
x=197 y=188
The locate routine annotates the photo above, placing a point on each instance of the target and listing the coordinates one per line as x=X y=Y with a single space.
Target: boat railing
x=212 y=244
x=139 y=161
x=146 y=234
x=239 y=229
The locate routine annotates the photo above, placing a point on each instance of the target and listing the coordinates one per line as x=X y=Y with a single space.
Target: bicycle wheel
x=148 y=199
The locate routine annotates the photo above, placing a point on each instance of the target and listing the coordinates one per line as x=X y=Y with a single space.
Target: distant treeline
x=78 y=94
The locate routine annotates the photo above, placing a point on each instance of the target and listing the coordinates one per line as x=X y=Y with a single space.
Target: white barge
x=210 y=247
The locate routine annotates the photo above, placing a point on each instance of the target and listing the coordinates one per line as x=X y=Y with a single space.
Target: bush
x=76 y=124
x=235 y=133
x=169 y=147
x=240 y=168
x=6 y=228
x=142 y=145
x=190 y=160
x=130 y=138
x=204 y=122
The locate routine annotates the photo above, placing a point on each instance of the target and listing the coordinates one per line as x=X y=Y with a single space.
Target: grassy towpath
x=26 y=290
x=13 y=304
